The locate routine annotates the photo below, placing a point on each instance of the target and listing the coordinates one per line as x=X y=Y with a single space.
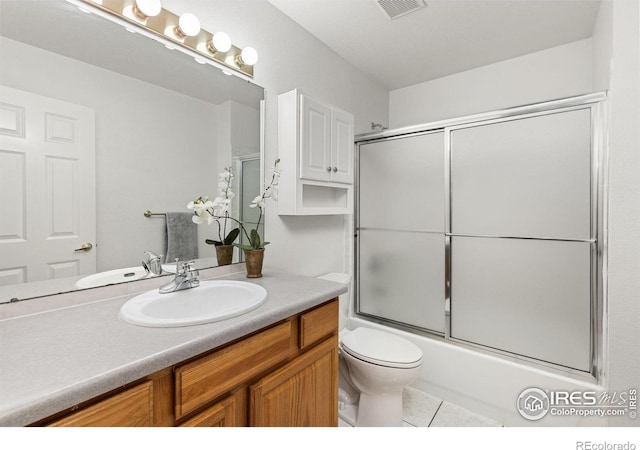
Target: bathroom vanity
x=82 y=366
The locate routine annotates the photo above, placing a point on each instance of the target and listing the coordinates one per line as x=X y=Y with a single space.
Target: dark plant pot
x=224 y=253
x=253 y=260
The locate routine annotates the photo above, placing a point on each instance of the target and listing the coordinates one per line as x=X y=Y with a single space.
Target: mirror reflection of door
x=47 y=188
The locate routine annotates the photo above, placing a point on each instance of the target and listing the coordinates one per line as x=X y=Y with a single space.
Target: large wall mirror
x=99 y=124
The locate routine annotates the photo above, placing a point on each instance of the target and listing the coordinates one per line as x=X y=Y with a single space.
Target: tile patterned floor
x=424 y=410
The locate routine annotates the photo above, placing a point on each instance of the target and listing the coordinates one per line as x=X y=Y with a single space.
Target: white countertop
x=54 y=360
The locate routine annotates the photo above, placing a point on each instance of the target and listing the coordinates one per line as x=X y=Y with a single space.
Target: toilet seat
x=381 y=348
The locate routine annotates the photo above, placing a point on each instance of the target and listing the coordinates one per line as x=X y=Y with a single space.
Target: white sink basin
x=212 y=301
x=111 y=277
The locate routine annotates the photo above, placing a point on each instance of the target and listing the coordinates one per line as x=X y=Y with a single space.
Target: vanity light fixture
x=147 y=8
x=220 y=42
x=188 y=26
x=183 y=32
x=248 y=57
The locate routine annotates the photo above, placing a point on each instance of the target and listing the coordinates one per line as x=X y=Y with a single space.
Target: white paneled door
x=47 y=188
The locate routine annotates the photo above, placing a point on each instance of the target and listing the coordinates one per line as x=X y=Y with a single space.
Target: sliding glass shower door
x=488 y=231
x=521 y=236
x=401 y=230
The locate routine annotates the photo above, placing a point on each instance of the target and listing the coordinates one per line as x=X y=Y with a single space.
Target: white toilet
x=375 y=366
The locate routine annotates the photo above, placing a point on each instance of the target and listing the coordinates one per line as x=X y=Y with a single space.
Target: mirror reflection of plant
x=205 y=210
x=217 y=210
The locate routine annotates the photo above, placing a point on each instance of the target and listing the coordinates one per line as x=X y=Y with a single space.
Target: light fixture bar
x=166 y=25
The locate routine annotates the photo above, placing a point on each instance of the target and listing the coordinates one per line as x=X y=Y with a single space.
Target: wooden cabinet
x=132 y=407
x=316 y=144
x=210 y=376
x=283 y=375
x=222 y=414
x=300 y=394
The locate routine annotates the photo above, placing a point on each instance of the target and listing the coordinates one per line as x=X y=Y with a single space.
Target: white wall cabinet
x=316 y=143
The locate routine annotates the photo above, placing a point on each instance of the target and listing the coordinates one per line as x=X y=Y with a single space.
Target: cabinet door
x=315 y=140
x=222 y=414
x=341 y=146
x=304 y=393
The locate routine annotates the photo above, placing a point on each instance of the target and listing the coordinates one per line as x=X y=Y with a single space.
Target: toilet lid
x=382 y=348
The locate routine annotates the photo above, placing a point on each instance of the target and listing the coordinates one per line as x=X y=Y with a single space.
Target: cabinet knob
x=335 y=169
x=328 y=169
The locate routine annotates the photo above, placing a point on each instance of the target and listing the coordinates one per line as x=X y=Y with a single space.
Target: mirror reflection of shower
x=377 y=127
x=248 y=182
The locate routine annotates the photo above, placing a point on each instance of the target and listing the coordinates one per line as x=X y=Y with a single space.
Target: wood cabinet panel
x=303 y=393
x=130 y=408
x=204 y=379
x=318 y=323
x=221 y=414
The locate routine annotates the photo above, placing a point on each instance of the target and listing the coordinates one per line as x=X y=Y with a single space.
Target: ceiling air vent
x=397 y=8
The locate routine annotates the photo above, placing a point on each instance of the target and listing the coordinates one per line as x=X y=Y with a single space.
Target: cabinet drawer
x=130 y=408
x=206 y=378
x=316 y=324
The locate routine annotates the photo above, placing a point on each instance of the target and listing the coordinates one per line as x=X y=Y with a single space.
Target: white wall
x=291 y=58
x=553 y=73
x=135 y=122
x=617 y=66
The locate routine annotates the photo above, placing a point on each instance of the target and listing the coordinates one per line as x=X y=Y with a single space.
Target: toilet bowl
x=375 y=367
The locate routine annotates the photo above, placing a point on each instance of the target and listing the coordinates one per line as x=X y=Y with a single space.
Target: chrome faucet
x=152 y=263
x=186 y=278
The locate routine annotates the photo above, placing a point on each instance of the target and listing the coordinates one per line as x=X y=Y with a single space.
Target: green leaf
x=255 y=239
x=212 y=242
x=233 y=234
x=244 y=246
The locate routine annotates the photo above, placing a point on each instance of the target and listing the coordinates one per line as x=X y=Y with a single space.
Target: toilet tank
x=343 y=278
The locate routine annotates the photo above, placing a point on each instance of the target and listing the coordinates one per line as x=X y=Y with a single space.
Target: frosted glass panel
x=529 y=297
x=402 y=183
x=527 y=177
x=402 y=277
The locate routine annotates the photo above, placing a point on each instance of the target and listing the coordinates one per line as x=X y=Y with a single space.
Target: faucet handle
x=190 y=268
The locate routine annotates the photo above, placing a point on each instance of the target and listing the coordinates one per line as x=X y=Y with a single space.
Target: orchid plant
x=208 y=211
x=205 y=210
x=270 y=191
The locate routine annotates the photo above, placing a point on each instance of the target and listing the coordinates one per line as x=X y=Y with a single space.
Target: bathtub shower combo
x=487 y=233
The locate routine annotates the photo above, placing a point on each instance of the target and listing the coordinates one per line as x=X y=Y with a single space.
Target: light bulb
x=147 y=8
x=188 y=25
x=221 y=42
x=248 y=56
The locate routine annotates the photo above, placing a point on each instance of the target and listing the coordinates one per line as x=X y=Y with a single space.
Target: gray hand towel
x=182 y=237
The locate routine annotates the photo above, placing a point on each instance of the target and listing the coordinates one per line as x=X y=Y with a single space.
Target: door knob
x=84 y=247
